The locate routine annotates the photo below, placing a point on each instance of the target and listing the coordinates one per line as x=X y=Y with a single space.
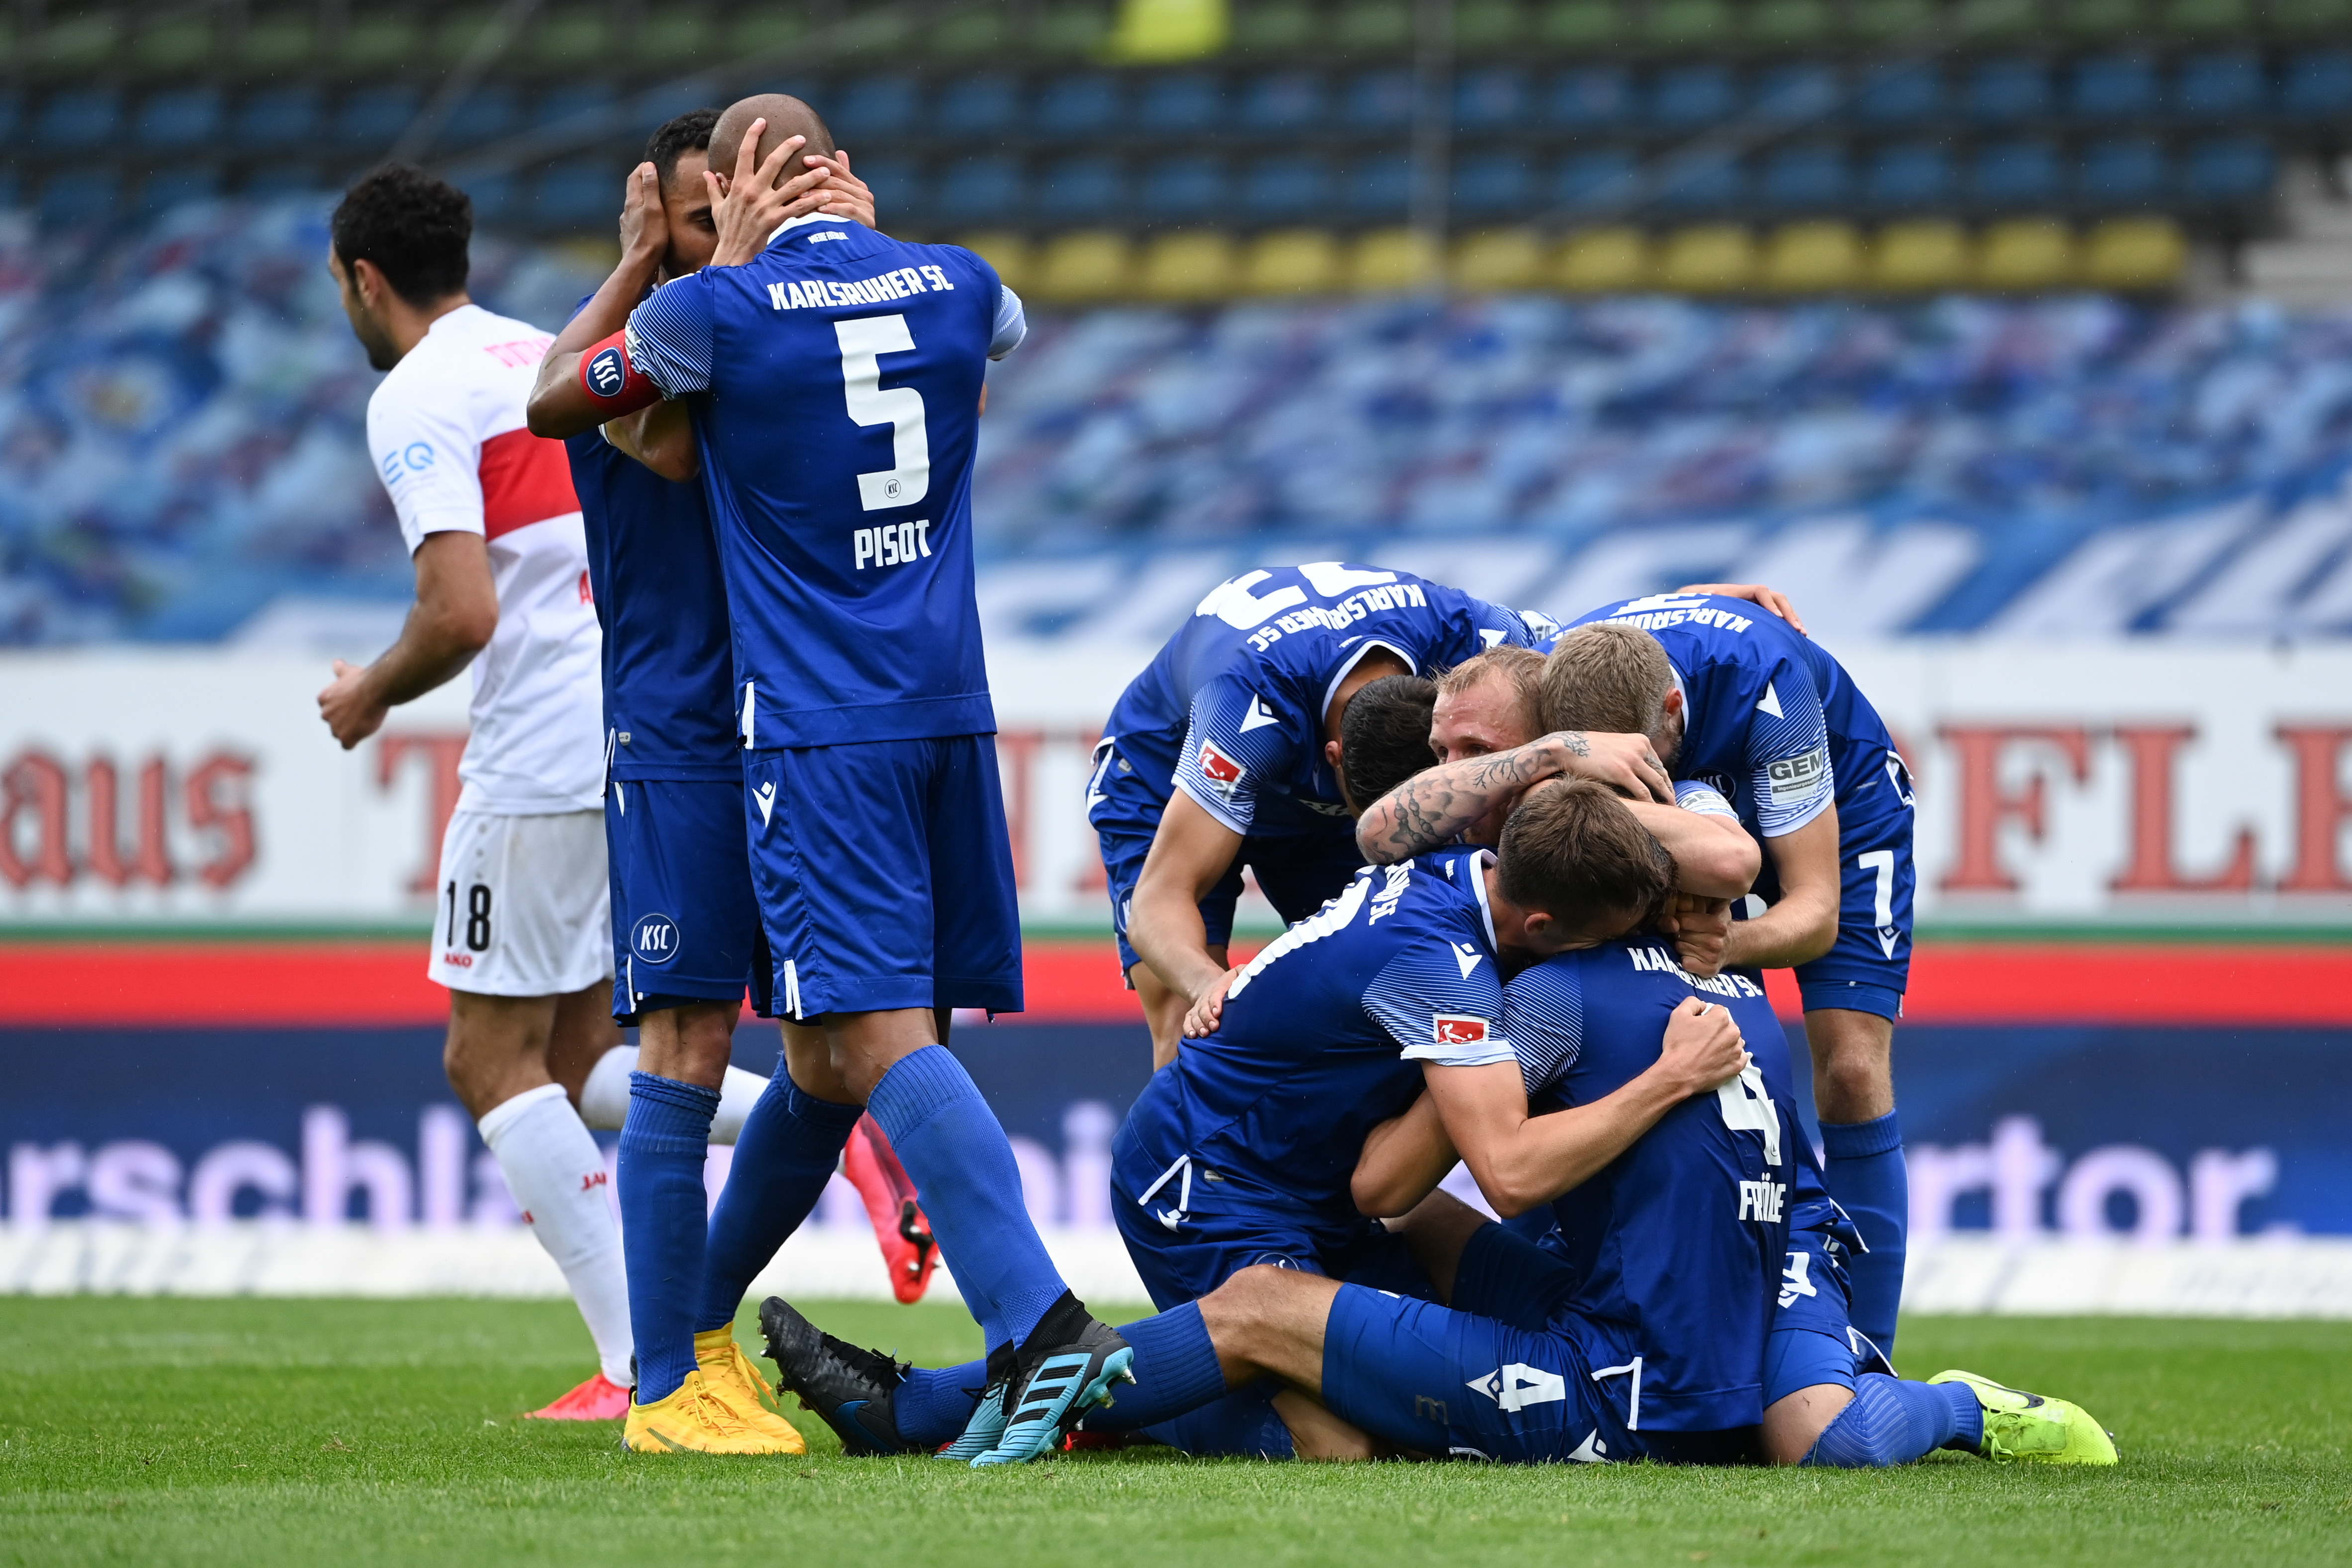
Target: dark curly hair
x=414 y=227
x=689 y=133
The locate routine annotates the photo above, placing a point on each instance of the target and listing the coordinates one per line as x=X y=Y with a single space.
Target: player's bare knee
x=1794 y=1422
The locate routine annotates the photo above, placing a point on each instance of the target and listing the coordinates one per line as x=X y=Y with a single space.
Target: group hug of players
x=1532 y=874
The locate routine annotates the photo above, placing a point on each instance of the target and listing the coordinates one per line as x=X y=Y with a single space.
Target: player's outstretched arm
x=1771 y=599
x=1521 y=1161
x=1713 y=856
x=1190 y=850
x=1438 y=805
x=562 y=403
x=455 y=612
x=1803 y=925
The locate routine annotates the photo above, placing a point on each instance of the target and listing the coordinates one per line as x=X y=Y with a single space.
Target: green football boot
x=2034 y=1428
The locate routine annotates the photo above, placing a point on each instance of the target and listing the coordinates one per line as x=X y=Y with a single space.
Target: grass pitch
x=354 y=1432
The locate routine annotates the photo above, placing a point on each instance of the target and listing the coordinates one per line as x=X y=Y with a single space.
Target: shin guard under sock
x=934 y=1405
x=1863 y=1165
x=790 y=1146
x=664 y=1143
x=1893 y=1422
x=556 y=1173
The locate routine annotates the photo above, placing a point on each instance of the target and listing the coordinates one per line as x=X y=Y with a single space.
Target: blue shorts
x=1296 y=872
x=685 y=926
x=1869 y=966
x=883 y=875
x=1811 y=1340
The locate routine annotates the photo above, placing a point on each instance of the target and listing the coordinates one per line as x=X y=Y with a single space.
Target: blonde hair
x=1521 y=667
x=1608 y=679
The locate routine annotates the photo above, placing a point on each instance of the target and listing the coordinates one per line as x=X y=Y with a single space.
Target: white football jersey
x=447 y=430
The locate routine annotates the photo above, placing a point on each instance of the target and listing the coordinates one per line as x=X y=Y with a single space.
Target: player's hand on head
x=644 y=223
x=1201 y=1020
x=1700 y=928
x=352 y=715
x=1628 y=764
x=841 y=195
x=1771 y=599
x=747 y=205
x=1702 y=1048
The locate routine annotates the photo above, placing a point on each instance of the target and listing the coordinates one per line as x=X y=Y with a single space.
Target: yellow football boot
x=2034 y=1428
x=725 y=1368
x=699 y=1419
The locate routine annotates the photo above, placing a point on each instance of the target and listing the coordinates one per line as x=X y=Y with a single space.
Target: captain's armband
x=616 y=386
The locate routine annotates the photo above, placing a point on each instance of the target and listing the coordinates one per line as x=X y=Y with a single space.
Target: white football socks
x=605 y=1097
x=556 y=1173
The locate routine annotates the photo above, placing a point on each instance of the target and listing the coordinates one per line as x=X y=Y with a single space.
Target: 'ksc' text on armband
x=900 y=282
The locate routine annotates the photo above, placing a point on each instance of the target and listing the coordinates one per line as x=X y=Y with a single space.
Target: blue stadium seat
x=2015 y=173
x=896 y=182
x=2229 y=169
x=1187 y=186
x=277 y=117
x=980 y=189
x=2002 y=92
x=2112 y=87
x=977 y=105
x=280 y=178
x=1378 y=100
x=577 y=193
x=1088 y=188
x=2318 y=86
x=1909 y=175
x=1285 y=185
x=489 y=112
x=183 y=118
x=588 y=102
x=1792 y=94
x=1686 y=96
x=1085 y=105
x=873 y=107
x=1603 y=180
x=1814 y=175
x=1280 y=101
x=1190 y=102
x=1700 y=180
x=77 y=117
x=2121 y=170
x=1378 y=185
x=2226 y=87
x=82 y=196
x=496 y=198
x=169 y=188
x=1496 y=182
x=373 y=117
x=11 y=107
x=1593 y=98
x=665 y=102
x=1899 y=94
x=1490 y=99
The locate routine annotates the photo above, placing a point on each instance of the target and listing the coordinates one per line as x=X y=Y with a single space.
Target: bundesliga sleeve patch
x=1219 y=769
x=607 y=374
x=1460 y=1028
x=1795 y=778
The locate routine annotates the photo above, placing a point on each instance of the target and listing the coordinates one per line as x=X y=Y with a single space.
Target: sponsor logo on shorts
x=1460 y=1028
x=608 y=372
x=459 y=960
x=765 y=798
x=654 y=939
x=1519 y=1385
x=1218 y=769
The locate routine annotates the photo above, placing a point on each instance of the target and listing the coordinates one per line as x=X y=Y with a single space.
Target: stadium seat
x=1796 y=94
x=588 y=104
x=1291 y=261
x=984 y=188
x=1085 y=267
x=1070 y=31
x=1909 y=175
x=457 y=32
x=78 y=118
x=2112 y=87
x=489 y=111
x=1197 y=265
x=572 y=37
x=1786 y=23
x=1272 y=26
x=169 y=188
x=1491 y=98
x=276 y=40
x=1498 y=181
x=2218 y=88
x=1699 y=180
x=665 y=102
x=2002 y=92
x=1089 y=187
x=2303 y=18
x=763 y=32
x=494 y=193
x=1713 y=258
x=1580 y=23
x=670 y=38
x=75 y=45
x=1008 y=252
x=2318 y=86
x=2135 y=253
x=1686 y=24
x=1926 y=253
x=2121 y=172
x=12 y=110
x=1378 y=184
x=1372 y=26
x=1395 y=260
x=1989 y=21
x=873 y=107
x=1806 y=174
x=1499 y=261
x=2097 y=19
x=961 y=34
x=185 y=117
x=977 y=106
x=1597 y=182
x=277 y=178
x=1190 y=185
x=2233 y=170
x=1812 y=258
x=375 y=42
x=2023 y=172
x=2026 y=253
x=1085 y=105
x=1189 y=103
x=174 y=46
x=1592 y=98
x=1377 y=101
x=1890 y=21
x=1684 y=97
x=1280 y=101
x=1604 y=261
x=84 y=196
x=574 y=193
x=1484 y=24
x=277 y=117
x=897 y=183
x=1287 y=185
x=1895 y=95
x=373 y=117
x=2207 y=17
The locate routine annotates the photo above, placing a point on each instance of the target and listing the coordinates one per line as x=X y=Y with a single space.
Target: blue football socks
x=1892 y=1422
x=954 y=1148
x=1243 y=1425
x=1176 y=1371
x=1177 y=1382
x=1865 y=1171
x=934 y=1405
x=663 y=1142
x=789 y=1148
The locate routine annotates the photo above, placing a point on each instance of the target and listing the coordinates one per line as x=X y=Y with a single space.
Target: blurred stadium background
x=2012 y=338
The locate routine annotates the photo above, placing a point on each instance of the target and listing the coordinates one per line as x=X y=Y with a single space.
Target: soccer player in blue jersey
x=835 y=379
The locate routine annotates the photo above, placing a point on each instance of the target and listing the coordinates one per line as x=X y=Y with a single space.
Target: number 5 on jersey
x=908 y=478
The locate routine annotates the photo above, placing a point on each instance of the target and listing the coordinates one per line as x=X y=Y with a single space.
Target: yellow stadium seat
x=2135 y=253
x=1391 y=260
x=1292 y=261
x=1084 y=265
x=1604 y=261
x=1926 y=253
x=2026 y=253
x=1007 y=252
x=1198 y=264
x=1711 y=258
x=1812 y=258
x=1499 y=261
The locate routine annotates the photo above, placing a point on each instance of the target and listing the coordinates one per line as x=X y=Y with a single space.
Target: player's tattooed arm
x=1440 y=804
x=560 y=402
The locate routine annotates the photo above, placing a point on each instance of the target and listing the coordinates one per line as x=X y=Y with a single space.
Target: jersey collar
x=805 y=220
x=1478 y=864
x=1323 y=712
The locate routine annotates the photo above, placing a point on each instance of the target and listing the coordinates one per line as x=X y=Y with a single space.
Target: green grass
x=356 y=1432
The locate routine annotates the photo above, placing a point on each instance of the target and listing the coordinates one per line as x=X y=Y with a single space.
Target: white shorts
x=524 y=906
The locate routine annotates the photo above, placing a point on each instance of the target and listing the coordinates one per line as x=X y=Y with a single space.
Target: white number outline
x=863 y=341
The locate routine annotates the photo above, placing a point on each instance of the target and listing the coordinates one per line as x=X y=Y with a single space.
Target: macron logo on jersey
x=1460 y=1028
x=1466 y=956
x=1219 y=769
x=1258 y=716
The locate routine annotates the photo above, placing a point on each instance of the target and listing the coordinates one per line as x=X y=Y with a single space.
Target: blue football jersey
x=669 y=668
x=1231 y=711
x=1770 y=720
x=1322 y=1034
x=836 y=379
